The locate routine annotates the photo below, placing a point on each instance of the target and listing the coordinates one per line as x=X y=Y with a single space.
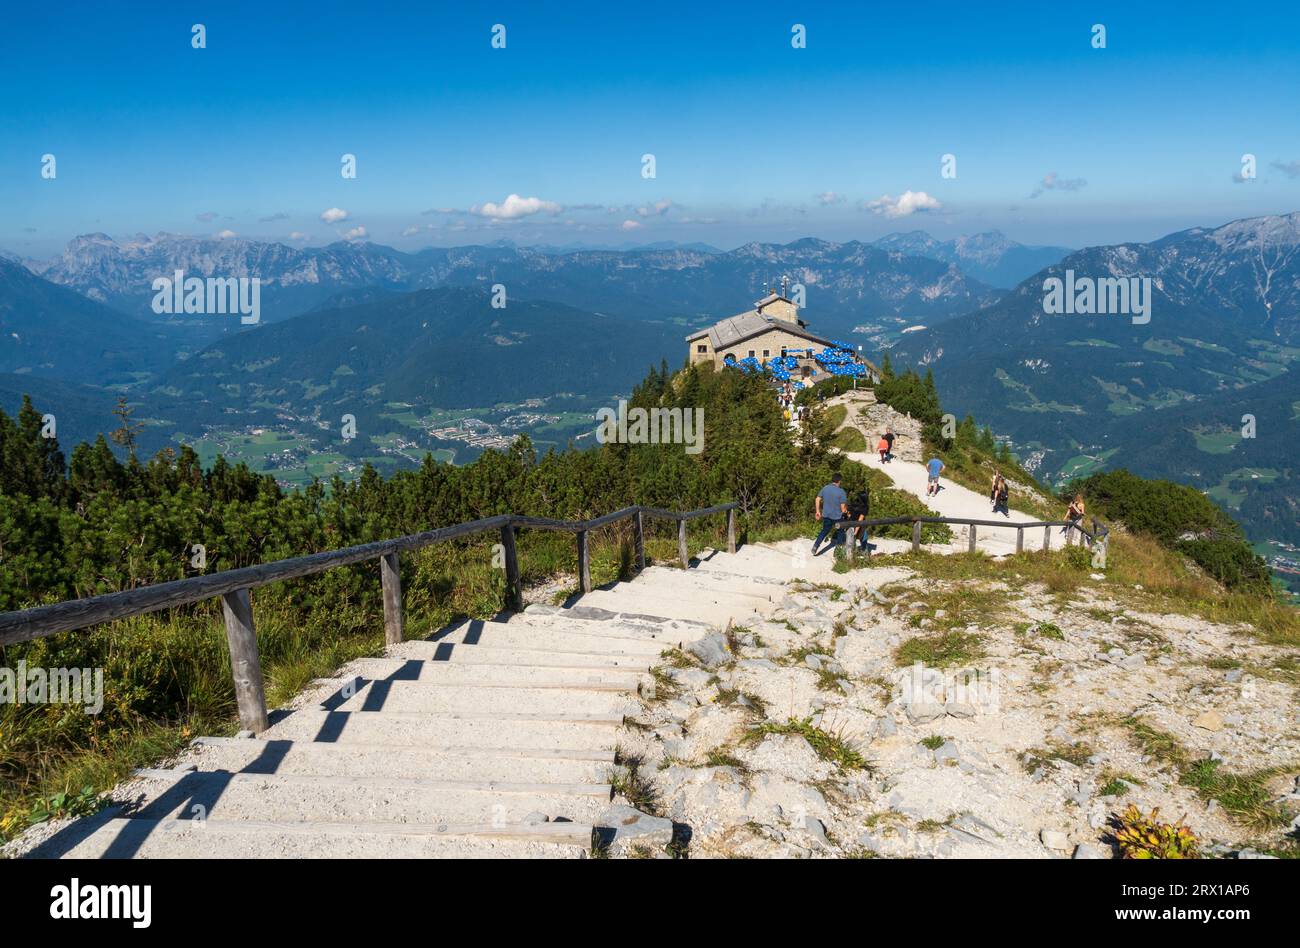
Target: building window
x=751 y=353
x=766 y=353
x=702 y=347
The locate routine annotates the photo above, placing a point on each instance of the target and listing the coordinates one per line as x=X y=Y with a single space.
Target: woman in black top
x=859 y=508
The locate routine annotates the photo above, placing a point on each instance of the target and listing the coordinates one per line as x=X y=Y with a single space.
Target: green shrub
x=1180 y=518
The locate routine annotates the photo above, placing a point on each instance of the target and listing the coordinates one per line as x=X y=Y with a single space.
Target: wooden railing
x=233 y=586
x=1097 y=534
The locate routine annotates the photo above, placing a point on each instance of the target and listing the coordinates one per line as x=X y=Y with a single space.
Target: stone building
x=772 y=328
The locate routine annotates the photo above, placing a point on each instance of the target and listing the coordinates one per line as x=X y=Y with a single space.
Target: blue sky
x=751 y=136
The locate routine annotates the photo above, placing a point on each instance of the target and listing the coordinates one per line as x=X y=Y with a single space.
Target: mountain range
x=845 y=282
x=1078 y=392
x=358 y=324
x=991 y=257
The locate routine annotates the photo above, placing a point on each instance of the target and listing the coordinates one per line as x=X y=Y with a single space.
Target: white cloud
x=226 y=234
x=297 y=235
x=334 y=215
x=631 y=225
x=514 y=207
x=1054 y=182
x=356 y=233
x=658 y=208
x=909 y=202
x=830 y=197
x=411 y=231
x=207 y=217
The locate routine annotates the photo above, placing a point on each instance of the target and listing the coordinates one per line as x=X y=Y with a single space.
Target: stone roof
x=736 y=329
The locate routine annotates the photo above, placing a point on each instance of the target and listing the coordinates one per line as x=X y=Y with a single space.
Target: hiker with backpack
x=1000 y=495
x=888 y=438
x=1073 y=515
x=882 y=446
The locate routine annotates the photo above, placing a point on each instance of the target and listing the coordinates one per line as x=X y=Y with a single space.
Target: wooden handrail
x=233 y=586
x=39 y=621
x=962 y=521
x=1098 y=533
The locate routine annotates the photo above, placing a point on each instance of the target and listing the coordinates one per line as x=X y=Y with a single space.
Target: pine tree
x=125 y=434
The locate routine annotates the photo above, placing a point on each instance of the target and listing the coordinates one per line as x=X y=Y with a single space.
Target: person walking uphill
x=832 y=506
x=933 y=469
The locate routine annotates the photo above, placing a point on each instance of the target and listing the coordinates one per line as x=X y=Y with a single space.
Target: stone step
x=425 y=696
x=548 y=638
x=777 y=564
x=694 y=582
x=579 y=619
x=218 y=795
x=714 y=609
x=394 y=760
x=582 y=617
x=219 y=839
x=641 y=622
x=460 y=654
x=548 y=732
x=495 y=676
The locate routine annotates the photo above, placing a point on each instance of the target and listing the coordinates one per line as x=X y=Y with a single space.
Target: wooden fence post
x=514 y=591
x=731 y=530
x=391 y=581
x=971 y=548
x=245 y=666
x=681 y=544
x=1020 y=539
x=1047 y=538
x=640 y=540
x=849 y=544
x=584 y=562
x=916 y=536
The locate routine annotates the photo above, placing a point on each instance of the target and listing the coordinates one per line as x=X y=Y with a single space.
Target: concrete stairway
x=489 y=739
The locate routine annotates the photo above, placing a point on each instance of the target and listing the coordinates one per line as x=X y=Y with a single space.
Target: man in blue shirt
x=832 y=506
x=935 y=468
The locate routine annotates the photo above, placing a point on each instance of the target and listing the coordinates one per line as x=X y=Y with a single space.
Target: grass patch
x=849 y=440
x=1243 y=796
x=628 y=782
x=940 y=651
x=1050 y=630
x=1076 y=753
x=666 y=687
x=720 y=758
x=829 y=747
x=727 y=697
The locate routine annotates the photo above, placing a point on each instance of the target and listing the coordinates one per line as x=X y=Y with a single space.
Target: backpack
x=860 y=505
